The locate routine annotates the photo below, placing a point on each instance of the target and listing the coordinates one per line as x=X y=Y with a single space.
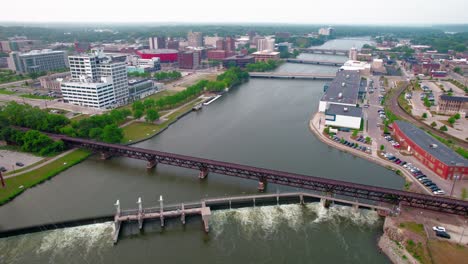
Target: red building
x=433 y=154
x=219 y=54
x=165 y=55
x=189 y=59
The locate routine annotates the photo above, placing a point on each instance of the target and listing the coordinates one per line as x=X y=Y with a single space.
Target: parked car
x=20 y=164
x=2 y=169
x=442 y=234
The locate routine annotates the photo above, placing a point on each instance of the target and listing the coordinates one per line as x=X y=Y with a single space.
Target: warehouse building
x=433 y=154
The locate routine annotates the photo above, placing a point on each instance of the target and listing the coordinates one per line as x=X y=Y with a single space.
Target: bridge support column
x=301 y=199
x=203 y=173
x=117 y=223
x=161 y=210
x=325 y=203
x=105 y=155
x=262 y=185
x=182 y=214
x=355 y=207
x=140 y=214
x=151 y=164
x=206 y=214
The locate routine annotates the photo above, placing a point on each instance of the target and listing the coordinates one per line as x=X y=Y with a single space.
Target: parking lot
x=8 y=159
x=375 y=131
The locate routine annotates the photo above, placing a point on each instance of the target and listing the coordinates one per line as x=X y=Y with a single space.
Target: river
x=262 y=123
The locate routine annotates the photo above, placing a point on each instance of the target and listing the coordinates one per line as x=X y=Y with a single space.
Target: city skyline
x=204 y=11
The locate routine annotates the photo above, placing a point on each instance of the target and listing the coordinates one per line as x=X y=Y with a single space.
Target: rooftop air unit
x=340 y=95
x=345 y=109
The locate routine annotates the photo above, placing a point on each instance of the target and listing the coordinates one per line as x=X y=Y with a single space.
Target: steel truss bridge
x=264 y=176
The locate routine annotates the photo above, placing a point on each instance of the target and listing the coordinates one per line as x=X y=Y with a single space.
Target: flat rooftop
x=344 y=110
x=425 y=141
x=344 y=88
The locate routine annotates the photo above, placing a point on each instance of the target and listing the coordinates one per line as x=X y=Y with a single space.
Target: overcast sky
x=222 y=11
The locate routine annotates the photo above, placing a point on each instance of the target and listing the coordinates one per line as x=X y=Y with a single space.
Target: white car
x=439 y=192
x=439 y=228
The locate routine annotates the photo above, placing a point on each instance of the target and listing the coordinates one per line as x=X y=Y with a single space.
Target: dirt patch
x=447 y=253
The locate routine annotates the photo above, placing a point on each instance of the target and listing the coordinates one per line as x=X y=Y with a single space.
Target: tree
x=457 y=116
x=424 y=115
x=458 y=70
x=451 y=120
x=112 y=134
x=382 y=147
x=443 y=128
x=148 y=103
x=151 y=115
x=433 y=124
x=355 y=133
x=137 y=113
x=368 y=140
x=427 y=103
x=138 y=105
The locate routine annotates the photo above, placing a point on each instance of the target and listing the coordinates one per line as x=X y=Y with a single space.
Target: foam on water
x=267 y=219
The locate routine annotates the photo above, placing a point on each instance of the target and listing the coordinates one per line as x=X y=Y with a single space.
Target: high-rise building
x=189 y=59
x=266 y=44
x=157 y=43
x=326 y=31
x=37 y=61
x=230 y=44
x=97 y=81
x=353 y=53
x=173 y=44
x=211 y=41
x=220 y=44
x=195 y=39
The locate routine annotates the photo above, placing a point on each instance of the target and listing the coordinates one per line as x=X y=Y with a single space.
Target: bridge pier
x=206 y=214
x=301 y=199
x=203 y=173
x=105 y=155
x=161 y=210
x=355 y=208
x=140 y=214
x=325 y=203
x=117 y=223
x=262 y=185
x=151 y=164
x=182 y=214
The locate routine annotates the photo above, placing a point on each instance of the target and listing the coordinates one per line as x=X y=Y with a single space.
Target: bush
x=382 y=147
x=433 y=124
x=424 y=115
x=443 y=128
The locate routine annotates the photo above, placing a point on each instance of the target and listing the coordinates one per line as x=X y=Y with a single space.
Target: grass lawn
x=32 y=178
x=414 y=227
x=140 y=130
x=79 y=117
x=32 y=96
x=4 y=91
x=27 y=167
x=446 y=252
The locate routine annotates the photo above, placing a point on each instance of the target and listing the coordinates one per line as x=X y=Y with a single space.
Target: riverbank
x=17 y=184
x=317 y=130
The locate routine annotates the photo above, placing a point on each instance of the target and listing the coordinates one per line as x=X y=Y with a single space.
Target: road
x=392 y=104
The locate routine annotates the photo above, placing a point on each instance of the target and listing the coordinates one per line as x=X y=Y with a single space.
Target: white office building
x=266 y=44
x=97 y=81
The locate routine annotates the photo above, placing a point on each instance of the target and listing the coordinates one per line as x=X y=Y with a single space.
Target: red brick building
x=433 y=154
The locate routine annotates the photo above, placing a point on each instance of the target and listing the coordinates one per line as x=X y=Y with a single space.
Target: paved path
x=40 y=165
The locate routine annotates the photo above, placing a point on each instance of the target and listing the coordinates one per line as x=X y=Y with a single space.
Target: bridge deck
x=381 y=194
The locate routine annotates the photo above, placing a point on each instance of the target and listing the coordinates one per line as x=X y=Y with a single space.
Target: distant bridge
x=325 y=51
x=289 y=75
x=315 y=62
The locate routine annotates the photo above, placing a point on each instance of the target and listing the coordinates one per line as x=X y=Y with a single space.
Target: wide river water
x=262 y=123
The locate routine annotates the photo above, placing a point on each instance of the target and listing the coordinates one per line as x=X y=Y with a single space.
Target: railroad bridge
x=264 y=176
x=315 y=62
x=324 y=51
x=289 y=75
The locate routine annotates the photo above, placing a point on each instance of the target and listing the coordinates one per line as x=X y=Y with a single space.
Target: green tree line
x=263 y=66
